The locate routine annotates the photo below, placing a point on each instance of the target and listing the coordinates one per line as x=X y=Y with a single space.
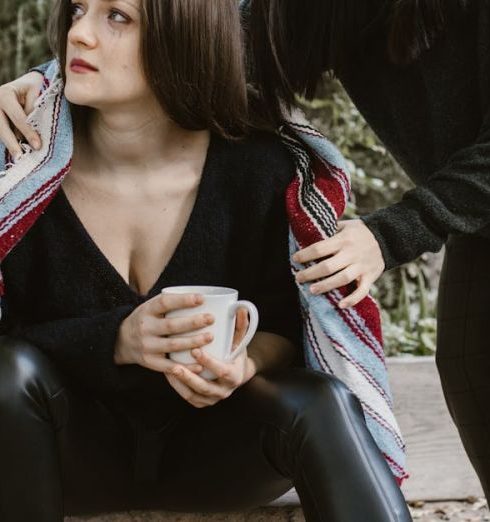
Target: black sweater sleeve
x=83 y=347
x=454 y=200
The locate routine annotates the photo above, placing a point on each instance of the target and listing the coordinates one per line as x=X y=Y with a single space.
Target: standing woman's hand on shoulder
x=351 y=255
x=17 y=100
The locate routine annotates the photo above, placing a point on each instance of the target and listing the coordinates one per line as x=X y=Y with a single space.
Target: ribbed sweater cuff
x=402 y=234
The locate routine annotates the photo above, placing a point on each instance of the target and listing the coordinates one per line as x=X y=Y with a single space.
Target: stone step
x=279 y=514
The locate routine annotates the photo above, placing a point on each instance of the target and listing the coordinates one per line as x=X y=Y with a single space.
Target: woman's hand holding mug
x=225 y=361
x=17 y=100
x=143 y=335
x=230 y=375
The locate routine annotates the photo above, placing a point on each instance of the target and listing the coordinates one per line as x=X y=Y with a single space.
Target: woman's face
x=106 y=35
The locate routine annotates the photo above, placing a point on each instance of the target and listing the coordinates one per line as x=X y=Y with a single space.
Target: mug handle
x=252 y=326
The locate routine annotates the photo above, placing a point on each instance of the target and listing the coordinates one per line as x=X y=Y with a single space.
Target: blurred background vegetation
x=407 y=295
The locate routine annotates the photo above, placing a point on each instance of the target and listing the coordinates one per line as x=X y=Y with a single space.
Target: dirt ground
x=471 y=510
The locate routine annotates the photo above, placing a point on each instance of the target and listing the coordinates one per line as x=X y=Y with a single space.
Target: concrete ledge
x=282 y=514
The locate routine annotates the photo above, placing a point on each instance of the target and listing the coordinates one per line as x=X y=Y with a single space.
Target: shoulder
x=261 y=158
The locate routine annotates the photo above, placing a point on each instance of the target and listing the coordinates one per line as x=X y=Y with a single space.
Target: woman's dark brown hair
x=293 y=42
x=193 y=58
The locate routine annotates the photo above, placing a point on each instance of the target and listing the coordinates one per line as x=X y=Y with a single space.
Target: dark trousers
x=463 y=350
x=63 y=453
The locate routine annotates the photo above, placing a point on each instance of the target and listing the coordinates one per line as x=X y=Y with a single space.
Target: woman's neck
x=134 y=142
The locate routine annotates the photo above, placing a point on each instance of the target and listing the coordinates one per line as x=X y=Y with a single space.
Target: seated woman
x=168 y=185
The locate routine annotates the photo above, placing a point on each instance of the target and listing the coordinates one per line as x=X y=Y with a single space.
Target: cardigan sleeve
x=454 y=200
x=82 y=347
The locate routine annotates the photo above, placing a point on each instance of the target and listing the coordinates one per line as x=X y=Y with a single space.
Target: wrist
x=120 y=347
x=251 y=368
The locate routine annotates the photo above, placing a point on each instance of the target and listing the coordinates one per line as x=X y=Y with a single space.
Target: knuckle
x=345 y=279
x=170 y=325
x=325 y=264
x=224 y=374
x=172 y=344
x=141 y=326
x=163 y=302
x=144 y=357
x=317 y=249
x=197 y=322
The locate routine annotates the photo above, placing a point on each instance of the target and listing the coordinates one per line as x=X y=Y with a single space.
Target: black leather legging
x=62 y=453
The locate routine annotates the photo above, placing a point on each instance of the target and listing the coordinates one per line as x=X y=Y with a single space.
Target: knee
x=24 y=372
x=293 y=397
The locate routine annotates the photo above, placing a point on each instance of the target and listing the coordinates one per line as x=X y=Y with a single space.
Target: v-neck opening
x=103 y=261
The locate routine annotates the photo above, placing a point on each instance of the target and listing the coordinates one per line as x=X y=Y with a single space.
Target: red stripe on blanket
x=12 y=235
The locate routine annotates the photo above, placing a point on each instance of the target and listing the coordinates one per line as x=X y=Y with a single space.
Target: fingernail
x=17 y=156
x=36 y=143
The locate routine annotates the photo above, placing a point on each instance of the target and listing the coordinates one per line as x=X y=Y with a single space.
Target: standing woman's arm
x=453 y=199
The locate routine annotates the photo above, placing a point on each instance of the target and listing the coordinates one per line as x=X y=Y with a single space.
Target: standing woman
x=419 y=71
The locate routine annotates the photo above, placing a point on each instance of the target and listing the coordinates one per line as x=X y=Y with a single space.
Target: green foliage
x=23 y=41
x=406 y=295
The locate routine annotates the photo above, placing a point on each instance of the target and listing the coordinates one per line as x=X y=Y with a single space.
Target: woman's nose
x=82 y=32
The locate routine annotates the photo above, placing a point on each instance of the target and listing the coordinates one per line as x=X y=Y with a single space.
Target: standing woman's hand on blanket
x=352 y=255
x=16 y=102
x=143 y=335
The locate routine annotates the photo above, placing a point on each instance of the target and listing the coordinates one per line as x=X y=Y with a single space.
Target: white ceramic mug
x=222 y=303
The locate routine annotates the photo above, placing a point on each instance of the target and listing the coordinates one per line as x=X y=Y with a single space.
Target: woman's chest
x=137 y=231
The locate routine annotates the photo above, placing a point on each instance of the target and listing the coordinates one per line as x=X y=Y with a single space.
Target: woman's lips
x=79 y=66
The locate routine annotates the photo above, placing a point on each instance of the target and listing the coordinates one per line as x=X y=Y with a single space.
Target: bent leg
x=293 y=426
x=58 y=452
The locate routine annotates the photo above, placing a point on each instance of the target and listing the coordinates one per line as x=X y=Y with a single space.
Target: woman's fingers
x=160 y=363
x=198 y=401
x=241 y=326
x=8 y=138
x=324 y=268
x=224 y=371
x=325 y=248
x=163 y=345
x=163 y=303
x=31 y=96
x=199 y=385
x=180 y=325
x=342 y=278
x=357 y=296
x=18 y=117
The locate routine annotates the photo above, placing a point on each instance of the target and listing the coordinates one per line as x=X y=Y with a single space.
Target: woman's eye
x=75 y=10
x=114 y=14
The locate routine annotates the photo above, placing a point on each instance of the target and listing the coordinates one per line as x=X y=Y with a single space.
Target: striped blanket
x=346 y=343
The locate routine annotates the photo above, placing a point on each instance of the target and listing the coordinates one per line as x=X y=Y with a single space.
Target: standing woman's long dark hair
x=292 y=45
